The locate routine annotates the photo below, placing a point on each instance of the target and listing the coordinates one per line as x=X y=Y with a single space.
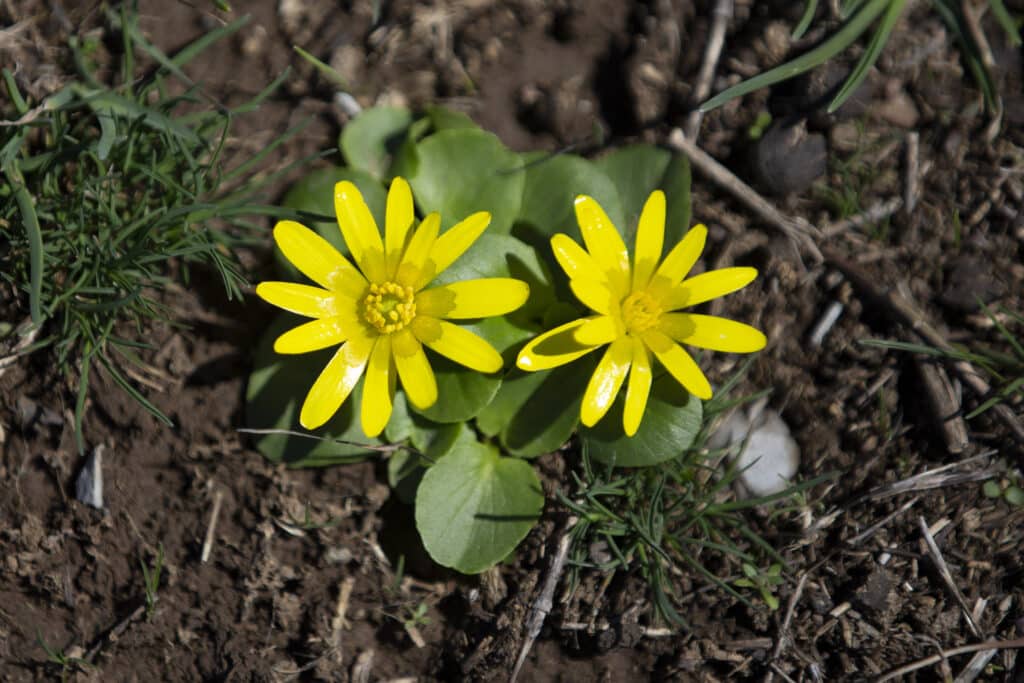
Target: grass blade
x=870 y=56
x=838 y=42
x=1006 y=21
x=193 y=49
x=325 y=69
x=35 y=244
x=805 y=20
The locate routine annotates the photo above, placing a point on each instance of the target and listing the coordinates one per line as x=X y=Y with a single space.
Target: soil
x=271 y=598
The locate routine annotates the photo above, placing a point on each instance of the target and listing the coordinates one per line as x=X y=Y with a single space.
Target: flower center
x=640 y=312
x=389 y=307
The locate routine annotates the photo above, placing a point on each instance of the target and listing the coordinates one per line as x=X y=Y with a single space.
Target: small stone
x=89 y=486
x=769 y=458
x=788 y=159
x=969 y=283
x=899 y=110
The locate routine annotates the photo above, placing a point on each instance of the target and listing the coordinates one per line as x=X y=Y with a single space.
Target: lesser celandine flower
x=379 y=309
x=635 y=310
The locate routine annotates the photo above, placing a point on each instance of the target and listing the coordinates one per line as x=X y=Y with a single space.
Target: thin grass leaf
x=1005 y=333
x=848 y=7
x=110 y=103
x=838 y=42
x=1006 y=21
x=870 y=56
x=27 y=209
x=1004 y=393
x=196 y=47
x=805 y=21
x=132 y=391
x=12 y=90
x=325 y=69
x=262 y=95
x=258 y=158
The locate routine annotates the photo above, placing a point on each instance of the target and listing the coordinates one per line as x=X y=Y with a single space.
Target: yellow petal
x=359 y=230
x=317 y=259
x=650 y=239
x=311 y=302
x=603 y=242
x=415 y=264
x=377 y=389
x=335 y=382
x=708 y=286
x=606 y=381
x=575 y=261
x=398 y=218
x=598 y=330
x=678 y=363
x=457 y=344
x=638 y=389
x=594 y=294
x=414 y=370
x=480 y=298
x=311 y=336
x=712 y=332
x=453 y=244
x=680 y=260
x=553 y=348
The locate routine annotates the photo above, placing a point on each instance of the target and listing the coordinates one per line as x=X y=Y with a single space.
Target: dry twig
x=953 y=652
x=798 y=230
x=947 y=576
x=211 y=528
x=720 y=17
x=542 y=606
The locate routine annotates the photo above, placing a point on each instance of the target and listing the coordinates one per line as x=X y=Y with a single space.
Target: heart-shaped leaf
x=464 y=170
x=373 y=137
x=474 y=507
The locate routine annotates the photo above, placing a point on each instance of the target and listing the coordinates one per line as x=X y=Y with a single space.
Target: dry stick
x=873 y=214
x=797 y=229
x=946 y=654
x=115 y=632
x=545 y=600
x=945 y=405
x=720 y=17
x=340 y=622
x=211 y=528
x=783 y=637
x=972 y=13
x=910 y=186
x=907 y=313
x=947 y=576
x=873 y=529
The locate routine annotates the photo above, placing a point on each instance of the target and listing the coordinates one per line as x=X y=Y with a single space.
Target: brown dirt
x=565 y=74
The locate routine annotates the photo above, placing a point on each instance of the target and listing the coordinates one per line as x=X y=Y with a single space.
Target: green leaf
x=669 y=426
x=277 y=387
x=431 y=439
x=443 y=118
x=536 y=412
x=474 y=507
x=1005 y=20
x=837 y=42
x=314 y=195
x=638 y=170
x=870 y=56
x=805 y=20
x=552 y=184
x=371 y=139
x=464 y=170
x=1014 y=495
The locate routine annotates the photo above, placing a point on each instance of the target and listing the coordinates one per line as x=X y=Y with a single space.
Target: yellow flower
x=634 y=310
x=380 y=311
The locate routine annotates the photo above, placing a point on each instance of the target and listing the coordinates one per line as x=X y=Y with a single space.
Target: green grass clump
x=677 y=519
x=118 y=191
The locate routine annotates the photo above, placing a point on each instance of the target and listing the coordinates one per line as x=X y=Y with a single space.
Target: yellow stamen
x=640 y=312
x=389 y=306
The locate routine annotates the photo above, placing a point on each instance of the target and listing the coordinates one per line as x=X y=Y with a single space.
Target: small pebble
x=89 y=487
x=788 y=159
